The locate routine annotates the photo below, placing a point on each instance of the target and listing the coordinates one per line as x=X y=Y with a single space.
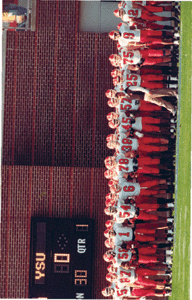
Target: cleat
x=170 y=239
x=168 y=260
x=168 y=273
x=174 y=110
x=176 y=42
x=170 y=220
x=176 y=34
x=167 y=294
x=170 y=204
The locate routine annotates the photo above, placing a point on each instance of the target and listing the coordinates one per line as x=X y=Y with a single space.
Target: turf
x=181 y=250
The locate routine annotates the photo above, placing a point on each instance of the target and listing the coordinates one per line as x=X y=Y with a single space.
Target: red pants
x=147 y=251
x=146 y=227
x=154 y=26
x=144 y=238
x=156 y=3
x=150 y=33
x=153 y=77
x=150 y=128
x=145 y=281
x=145 y=144
x=140 y=200
x=151 y=53
x=142 y=292
x=144 y=106
x=147 y=206
x=148 y=184
x=148 y=192
x=152 y=85
x=151 y=36
x=146 y=272
x=154 y=9
x=149 y=81
x=151 y=61
x=146 y=217
x=148 y=170
x=147 y=259
x=154 y=18
x=145 y=231
x=149 y=120
x=147 y=71
x=145 y=161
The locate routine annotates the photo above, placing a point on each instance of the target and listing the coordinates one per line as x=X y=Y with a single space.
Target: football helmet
x=108 y=196
x=108 y=161
x=114 y=72
x=110 y=210
x=116 y=13
x=110 y=93
x=109 y=277
x=108 y=174
x=113 y=102
x=108 y=291
x=110 y=116
x=111 y=183
x=111 y=57
x=109 y=223
x=111 y=145
x=111 y=268
x=108 y=256
x=109 y=243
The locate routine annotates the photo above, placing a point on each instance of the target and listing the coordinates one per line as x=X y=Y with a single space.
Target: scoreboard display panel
x=61 y=258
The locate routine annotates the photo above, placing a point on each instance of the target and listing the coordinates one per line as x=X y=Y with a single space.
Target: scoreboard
x=61 y=258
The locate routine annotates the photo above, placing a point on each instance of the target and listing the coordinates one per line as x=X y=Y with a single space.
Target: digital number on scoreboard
x=61 y=258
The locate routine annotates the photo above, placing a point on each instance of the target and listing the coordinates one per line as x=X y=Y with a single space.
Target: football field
x=181 y=252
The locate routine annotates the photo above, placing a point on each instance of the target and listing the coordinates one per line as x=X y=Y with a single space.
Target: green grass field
x=181 y=253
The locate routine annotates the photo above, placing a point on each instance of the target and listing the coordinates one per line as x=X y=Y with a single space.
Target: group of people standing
x=139 y=234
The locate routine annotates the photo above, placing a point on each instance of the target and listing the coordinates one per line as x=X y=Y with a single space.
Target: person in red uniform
x=125 y=293
x=144 y=145
x=150 y=96
x=152 y=6
x=149 y=80
x=143 y=124
x=130 y=36
x=125 y=102
x=139 y=14
x=132 y=61
x=135 y=277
